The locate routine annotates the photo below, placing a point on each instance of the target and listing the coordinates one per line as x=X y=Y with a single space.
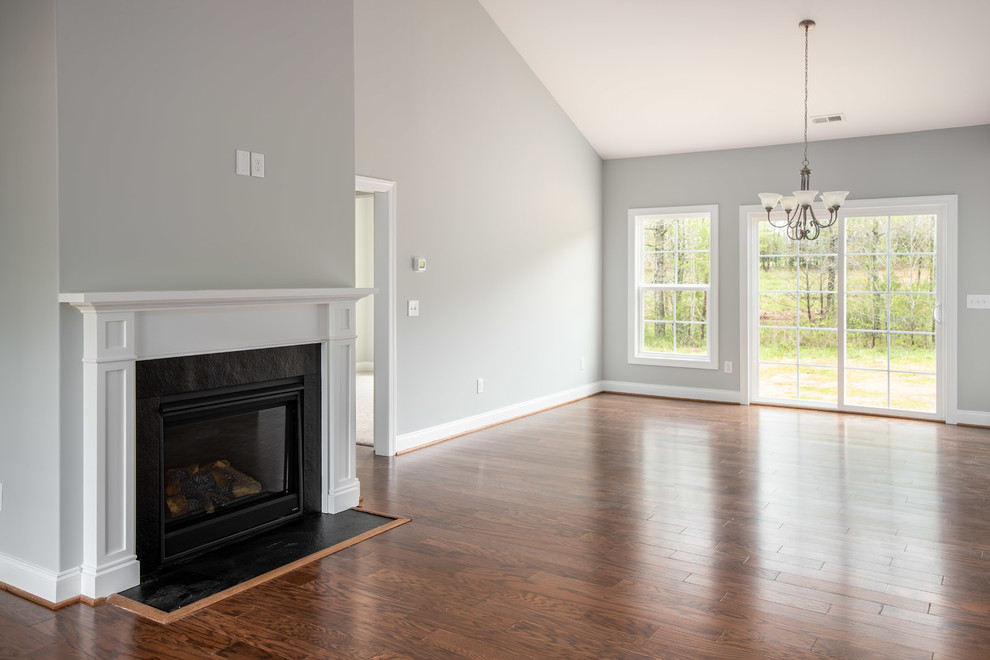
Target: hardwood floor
x=620 y=527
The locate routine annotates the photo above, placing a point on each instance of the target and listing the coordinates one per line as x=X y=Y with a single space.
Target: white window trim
x=635 y=356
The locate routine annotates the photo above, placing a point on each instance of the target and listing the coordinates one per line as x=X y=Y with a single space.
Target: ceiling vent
x=829 y=119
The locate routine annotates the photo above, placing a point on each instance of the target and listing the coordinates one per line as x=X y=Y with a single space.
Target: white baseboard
x=41 y=582
x=972 y=417
x=426 y=436
x=111 y=577
x=672 y=391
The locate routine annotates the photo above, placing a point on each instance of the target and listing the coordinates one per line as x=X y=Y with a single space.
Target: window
x=673 y=258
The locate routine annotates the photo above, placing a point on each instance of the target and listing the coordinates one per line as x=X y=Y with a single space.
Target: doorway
x=374 y=265
x=855 y=320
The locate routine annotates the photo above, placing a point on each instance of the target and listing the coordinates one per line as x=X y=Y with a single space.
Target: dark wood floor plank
x=15 y=610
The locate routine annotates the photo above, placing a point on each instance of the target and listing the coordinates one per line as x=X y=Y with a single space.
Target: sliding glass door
x=852 y=320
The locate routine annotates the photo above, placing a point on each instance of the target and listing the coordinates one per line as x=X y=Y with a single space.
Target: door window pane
x=819 y=347
x=778 y=344
x=913 y=392
x=778 y=381
x=866 y=349
x=912 y=352
x=866 y=388
x=819 y=384
x=777 y=309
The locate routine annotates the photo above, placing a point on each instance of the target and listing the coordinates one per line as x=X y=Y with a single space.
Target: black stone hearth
x=172 y=587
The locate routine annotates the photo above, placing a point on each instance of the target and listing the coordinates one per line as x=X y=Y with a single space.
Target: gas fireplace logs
x=205 y=488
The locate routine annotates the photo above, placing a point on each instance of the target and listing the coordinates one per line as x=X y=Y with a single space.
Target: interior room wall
x=952 y=161
x=29 y=320
x=499 y=192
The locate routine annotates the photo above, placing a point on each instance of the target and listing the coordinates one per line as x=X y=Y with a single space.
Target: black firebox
x=227 y=447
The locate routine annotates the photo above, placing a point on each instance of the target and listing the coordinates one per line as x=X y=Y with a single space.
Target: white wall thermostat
x=419 y=264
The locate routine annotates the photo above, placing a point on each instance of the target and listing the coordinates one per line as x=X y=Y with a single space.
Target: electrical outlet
x=257 y=165
x=481 y=385
x=727 y=367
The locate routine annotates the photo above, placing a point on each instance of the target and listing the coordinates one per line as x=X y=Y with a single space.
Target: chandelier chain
x=806 y=28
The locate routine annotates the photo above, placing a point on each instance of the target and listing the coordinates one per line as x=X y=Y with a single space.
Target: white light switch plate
x=242 y=162
x=413 y=309
x=978 y=301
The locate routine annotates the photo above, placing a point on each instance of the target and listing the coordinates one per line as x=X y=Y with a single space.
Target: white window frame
x=636 y=354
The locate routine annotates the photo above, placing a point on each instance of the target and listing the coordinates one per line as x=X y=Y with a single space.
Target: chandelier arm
x=774 y=224
x=833 y=215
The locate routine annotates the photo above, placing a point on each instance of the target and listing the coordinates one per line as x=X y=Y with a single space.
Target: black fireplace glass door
x=223 y=462
x=230 y=464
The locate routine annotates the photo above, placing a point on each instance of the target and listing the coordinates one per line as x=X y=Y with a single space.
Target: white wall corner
x=415 y=439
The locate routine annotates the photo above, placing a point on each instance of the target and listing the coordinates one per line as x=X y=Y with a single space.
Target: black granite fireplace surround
x=227 y=446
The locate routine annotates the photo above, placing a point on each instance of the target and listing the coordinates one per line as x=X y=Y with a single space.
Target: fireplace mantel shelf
x=138 y=301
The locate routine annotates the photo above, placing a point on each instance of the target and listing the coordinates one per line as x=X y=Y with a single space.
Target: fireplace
x=220 y=446
x=231 y=464
x=124 y=331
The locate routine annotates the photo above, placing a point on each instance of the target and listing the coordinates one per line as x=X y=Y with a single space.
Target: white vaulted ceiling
x=645 y=77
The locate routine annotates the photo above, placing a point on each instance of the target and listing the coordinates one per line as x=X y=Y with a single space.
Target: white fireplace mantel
x=121 y=328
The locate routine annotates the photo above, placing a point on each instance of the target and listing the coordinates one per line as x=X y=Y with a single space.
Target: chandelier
x=801 y=222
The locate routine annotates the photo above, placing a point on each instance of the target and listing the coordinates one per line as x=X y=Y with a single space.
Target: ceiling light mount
x=801 y=222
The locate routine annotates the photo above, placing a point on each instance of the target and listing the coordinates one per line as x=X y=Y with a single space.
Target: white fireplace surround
x=120 y=328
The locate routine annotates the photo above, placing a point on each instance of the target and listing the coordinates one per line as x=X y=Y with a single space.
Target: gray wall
x=500 y=193
x=29 y=313
x=952 y=161
x=154 y=97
